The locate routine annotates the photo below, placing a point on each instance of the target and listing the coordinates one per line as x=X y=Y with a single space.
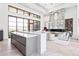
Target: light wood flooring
x=55 y=49
x=7 y=49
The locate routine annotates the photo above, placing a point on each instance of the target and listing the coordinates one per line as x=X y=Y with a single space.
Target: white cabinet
x=43 y=43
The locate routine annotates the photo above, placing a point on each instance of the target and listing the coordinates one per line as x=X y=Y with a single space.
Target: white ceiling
x=47 y=6
x=40 y=7
x=43 y=7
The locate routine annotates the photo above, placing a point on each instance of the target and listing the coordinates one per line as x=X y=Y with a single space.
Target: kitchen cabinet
x=1 y=35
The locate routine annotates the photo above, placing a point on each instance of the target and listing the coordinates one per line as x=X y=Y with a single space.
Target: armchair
x=63 y=39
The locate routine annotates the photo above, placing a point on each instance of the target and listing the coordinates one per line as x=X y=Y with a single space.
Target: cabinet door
x=1 y=35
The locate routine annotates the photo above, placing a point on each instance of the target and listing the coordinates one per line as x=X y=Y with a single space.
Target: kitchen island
x=26 y=43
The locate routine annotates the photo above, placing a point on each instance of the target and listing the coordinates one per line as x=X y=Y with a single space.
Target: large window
x=25 y=24
x=12 y=24
x=19 y=24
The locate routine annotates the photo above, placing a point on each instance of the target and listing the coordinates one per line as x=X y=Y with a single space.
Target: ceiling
x=47 y=6
x=42 y=7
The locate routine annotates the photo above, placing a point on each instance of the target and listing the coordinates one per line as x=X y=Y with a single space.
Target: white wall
x=4 y=19
x=78 y=19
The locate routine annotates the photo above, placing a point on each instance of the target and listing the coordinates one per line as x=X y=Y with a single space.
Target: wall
x=4 y=19
x=78 y=19
x=46 y=20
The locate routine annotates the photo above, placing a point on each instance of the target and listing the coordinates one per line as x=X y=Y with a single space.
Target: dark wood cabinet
x=69 y=24
x=1 y=35
x=19 y=42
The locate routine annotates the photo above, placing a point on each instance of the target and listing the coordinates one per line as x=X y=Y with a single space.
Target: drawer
x=13 y=36
x=19 y=46
x=22 y=40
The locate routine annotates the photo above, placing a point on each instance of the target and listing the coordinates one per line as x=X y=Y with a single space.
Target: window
x=25 y=24
x=20 y=12
x=12 y=9
x=31 y=25
x=31 y=15
x=34 y=15
x=19 y=24
x=26 y=13
x=38 y=17
x=12 y=24
x=36 y=25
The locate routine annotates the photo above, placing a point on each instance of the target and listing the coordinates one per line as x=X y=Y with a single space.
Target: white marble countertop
x=27 y=35
x=38 y=32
